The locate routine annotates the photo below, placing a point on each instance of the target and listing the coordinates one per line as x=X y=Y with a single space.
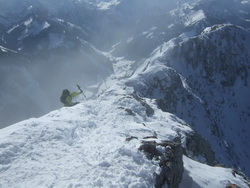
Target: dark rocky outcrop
x=200 y=149
x=170 y=161
x=149 y=110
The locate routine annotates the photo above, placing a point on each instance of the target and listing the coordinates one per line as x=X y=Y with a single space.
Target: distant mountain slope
x=54 y=53
x=207 y=86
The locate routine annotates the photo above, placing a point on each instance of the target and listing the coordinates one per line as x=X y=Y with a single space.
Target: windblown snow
x=83 y=146
x=96 y=143
x=86 y=146
x=194 y=17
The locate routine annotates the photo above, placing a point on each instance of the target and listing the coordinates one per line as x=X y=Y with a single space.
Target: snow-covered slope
x=218 y=73
x=176 y=102
x=95 y=144
x=205 y=81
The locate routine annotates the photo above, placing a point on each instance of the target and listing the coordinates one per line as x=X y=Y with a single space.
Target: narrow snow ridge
x=84 y=145
x=95 y=144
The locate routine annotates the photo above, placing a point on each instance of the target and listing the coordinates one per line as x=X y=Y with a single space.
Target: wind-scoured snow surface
x=85 y=146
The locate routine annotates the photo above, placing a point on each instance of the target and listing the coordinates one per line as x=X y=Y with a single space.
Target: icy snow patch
x=3 y=49
x=198 y=175
x=194 y=17
x=33 y=28
x=107 y=5
x=245 y=2
x=130 y=40
x=159 y=51
x=46 y=25
x=28 y=22
x=13 y=28
x=150 y=32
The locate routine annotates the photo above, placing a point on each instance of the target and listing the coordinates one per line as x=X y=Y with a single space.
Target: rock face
x=219 y=54
x=204 y=81
x=169 y=154
x=215 y=67
x=200 y=149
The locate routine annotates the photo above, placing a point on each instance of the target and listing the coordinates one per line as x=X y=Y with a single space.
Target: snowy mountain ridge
x=102 y=140
x=95 y=144
x=172 y=96
x=206 y=80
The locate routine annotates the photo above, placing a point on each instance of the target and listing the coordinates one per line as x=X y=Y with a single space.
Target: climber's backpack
x=64 y=95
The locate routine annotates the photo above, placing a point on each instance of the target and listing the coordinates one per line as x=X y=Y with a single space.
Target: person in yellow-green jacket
x=67 y=97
